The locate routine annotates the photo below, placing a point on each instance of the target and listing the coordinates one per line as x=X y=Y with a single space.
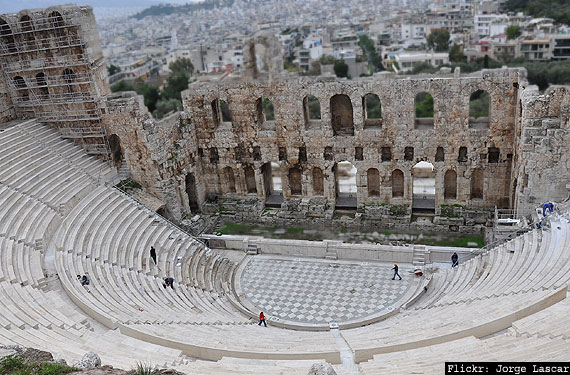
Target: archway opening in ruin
x=423 y=188
x=22 y=88
x=192 y=193
x=27 y=29
x=311 y=111
x=479 y=104
x=373 y=182
x=273 y=184
x=424 y=111
x=229 y=180
x=42 y=85
x=116 y=150
x=477 y=184
x=372 y=111
x=7 y=37
x=450 y=185
x=318 y=181
x=295 y=183
x=341 y=115
x=250 y=180
x=345 y=176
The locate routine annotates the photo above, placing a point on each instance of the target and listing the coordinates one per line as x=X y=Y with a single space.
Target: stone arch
x=373 y=182
x=424 y=110
x=311 y=110
x=116 y=150
x=341 y=115
x=192 y=193
x=346 y=175
x=397 y=183
x=423 y=187
x=69 y=78
x=27 y=27
x=372 y=111
x=41 y=82
x=479 y=109
x=450 y=184
x=250 y=180
x=7 y=36
x=56 y=23
x=229 y=181
x=262 y=61
x=318 y=181
x=477 y=184
x=22 y=88
x=268 y=110
x=295 y=184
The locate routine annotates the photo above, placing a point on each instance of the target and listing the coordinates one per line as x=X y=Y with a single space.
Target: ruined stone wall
x=7 y=111
x=248 y=141
x=542 y=160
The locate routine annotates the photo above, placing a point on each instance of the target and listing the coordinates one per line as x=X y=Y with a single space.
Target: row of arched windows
x=373 y=182
x=41 y=84
x=26 y=28
x=342 y=112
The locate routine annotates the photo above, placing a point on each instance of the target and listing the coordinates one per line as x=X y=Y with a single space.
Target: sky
x=12 y=6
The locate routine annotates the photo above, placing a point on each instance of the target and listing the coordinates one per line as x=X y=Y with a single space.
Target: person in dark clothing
x=454 y=260
x=153 y=254
x=84 y=280
x=395 y=268
x=169 y=281
x=262 y=319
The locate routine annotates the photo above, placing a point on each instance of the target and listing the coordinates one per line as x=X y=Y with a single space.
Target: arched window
x=7 y=37
x=69 y=78
x=311 y=110
x=318 y=181
x=477 y=183
x=424 y=111
x=225 y=109
x=372 y=111
x=341 y=115
x=295 y=181
x=42 y=85
x=479 y=104
x=116 y=151
x=450 y=185
x=268 y=110
x=27 y=29
x=22 y=88
x=192 y=194
x=397 y=183
x=373 y=179
x=56 y=24
x=229 y=180
x=250 y=180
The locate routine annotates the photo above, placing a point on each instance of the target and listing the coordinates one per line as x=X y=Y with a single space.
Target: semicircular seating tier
x=57 y=216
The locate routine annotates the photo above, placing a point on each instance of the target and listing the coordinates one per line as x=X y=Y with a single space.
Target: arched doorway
x=345 y=176
x=423 y=188
x=192 y=193
x=272 y=184
x=116 y=151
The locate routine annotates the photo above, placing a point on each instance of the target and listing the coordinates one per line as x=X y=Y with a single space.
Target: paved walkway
x=320 y=291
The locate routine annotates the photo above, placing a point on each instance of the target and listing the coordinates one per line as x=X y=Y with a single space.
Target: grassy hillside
x=167 y=9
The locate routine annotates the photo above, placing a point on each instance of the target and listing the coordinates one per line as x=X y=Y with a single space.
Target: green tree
x=182 y=65
x=165 y=106
x=340 y=69
x=513 y=31
x=314 y=108
x=438 y=40
x=175 y=85
x=456 y=54
x=122 y=85
x=326 y=60
x=369 y=49
x=150 y=93
x=424 y=105
x=112 y=69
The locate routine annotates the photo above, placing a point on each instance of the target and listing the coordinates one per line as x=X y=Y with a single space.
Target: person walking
x=395 y=269
x=168 y=282
x=454 y=260
x=262 y=319
x=153 y=254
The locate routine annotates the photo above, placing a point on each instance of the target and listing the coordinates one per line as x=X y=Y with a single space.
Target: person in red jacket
x=262 y=319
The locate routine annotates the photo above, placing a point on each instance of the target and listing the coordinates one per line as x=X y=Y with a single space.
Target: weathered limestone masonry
x=229 y=151
x=543 y=148
x=53 y=68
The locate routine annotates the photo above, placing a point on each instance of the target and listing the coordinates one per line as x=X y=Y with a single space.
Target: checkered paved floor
x=320 y=292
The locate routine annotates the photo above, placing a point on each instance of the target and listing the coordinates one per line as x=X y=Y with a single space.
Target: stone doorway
x=273 y=184
x=192 y=193
x=423 y=188
x=345 y=176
